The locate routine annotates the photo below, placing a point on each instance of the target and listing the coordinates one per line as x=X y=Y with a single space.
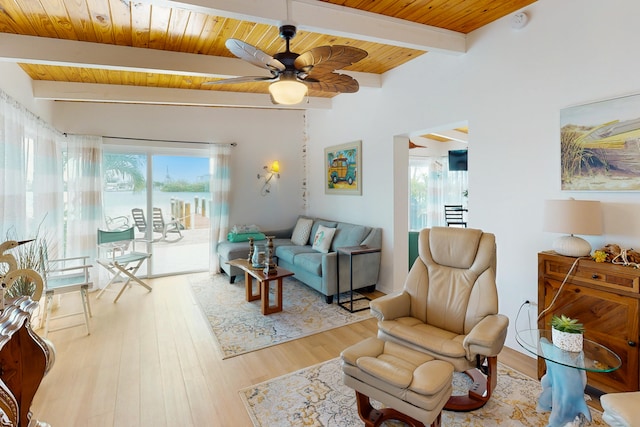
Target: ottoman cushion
x=620 y=409
x=402 y=373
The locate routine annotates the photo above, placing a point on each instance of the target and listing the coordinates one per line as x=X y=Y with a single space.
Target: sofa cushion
x=311 y=262
x=289 y=252
x=302 y=231
x=317 y=223
x=323 y=238
x=349 y=235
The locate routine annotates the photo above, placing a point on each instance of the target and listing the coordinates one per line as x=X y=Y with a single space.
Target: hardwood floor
x=151 y=360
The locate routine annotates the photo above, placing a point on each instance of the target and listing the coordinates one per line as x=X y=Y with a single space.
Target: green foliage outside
x=184 y=186
x=125 y=167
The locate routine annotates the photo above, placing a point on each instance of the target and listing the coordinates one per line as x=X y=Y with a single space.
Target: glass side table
x=564 y=383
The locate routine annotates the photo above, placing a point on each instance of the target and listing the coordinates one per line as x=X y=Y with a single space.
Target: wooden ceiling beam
x=71 y=53
x=92 y=92
x=342 y=21
x=453 y=135
x=327 y=18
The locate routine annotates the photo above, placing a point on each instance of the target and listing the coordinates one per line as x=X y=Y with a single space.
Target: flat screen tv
x=458 y=160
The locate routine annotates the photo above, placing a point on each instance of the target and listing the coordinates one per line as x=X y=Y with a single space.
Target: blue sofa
x=316 y=269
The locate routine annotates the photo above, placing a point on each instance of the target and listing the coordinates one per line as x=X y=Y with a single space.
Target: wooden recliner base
x=374 y=417
x=480 y=391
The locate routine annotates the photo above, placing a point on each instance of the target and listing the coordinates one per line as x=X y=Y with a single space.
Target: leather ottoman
x=413 y=386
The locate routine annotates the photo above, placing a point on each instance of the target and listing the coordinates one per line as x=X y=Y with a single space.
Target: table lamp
x=573 y=217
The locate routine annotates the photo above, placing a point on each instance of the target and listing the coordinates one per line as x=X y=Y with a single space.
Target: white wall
x=262 y=137
x=510 y=87
x=17 y=84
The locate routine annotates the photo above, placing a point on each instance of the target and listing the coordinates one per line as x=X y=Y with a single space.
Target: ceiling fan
x=293 y=74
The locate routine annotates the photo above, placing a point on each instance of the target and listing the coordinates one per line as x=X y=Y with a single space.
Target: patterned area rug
x=240 y=327
x=315 y=396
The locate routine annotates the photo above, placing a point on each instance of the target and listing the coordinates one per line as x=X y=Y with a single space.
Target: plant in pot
x=567 y=333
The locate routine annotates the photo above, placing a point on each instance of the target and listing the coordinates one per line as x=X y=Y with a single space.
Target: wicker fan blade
x=247 y=79
x=254 y=55
x=333 y=82
x=323 y=60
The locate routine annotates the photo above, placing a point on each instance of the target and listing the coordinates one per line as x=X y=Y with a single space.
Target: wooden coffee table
x=262 y=291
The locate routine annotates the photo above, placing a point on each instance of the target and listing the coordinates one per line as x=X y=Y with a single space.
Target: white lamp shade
x=573 y=217
x=288 y=91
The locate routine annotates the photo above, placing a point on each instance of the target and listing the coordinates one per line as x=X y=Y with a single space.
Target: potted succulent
x=567 y=333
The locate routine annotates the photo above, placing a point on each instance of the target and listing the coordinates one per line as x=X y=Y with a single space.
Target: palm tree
x=125 y=167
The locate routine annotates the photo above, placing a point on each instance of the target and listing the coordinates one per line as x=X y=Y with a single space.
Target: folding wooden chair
x=121 y=258
x=60 y=276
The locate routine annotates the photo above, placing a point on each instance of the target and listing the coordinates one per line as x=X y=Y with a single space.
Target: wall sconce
x=573 y=217
x=269 y=174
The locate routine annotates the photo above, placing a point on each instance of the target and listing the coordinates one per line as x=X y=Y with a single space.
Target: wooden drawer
x=621 y=278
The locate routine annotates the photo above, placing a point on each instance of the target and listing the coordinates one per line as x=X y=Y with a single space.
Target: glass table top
x=593 y=357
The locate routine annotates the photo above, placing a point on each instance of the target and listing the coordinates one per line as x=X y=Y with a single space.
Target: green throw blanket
x=244 y=237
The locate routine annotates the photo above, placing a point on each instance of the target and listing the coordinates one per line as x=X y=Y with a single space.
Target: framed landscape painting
x=343 y=166
x=600 y=145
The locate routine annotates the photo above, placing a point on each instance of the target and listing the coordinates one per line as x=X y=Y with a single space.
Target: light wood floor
x=151 y=360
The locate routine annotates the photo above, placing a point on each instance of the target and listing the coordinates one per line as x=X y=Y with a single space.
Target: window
x=431 y=186
x=165 y=185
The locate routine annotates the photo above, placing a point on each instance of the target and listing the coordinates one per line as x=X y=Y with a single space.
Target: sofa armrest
x=374 y=239
x=391 y=306
x=329 y=273
x=487 y=337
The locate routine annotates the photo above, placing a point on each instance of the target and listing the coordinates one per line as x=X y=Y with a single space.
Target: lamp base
x=572 y=246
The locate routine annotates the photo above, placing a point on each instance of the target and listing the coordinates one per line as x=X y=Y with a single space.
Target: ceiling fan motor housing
x=287 y=32
x=287 y=58
x=290 y=68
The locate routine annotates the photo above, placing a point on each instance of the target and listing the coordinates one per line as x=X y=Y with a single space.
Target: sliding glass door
x=179 y=212
x=431 y=186
x=164 y=194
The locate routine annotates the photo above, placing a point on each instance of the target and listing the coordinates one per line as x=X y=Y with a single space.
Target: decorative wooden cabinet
x=25 y=358
x=604 y=297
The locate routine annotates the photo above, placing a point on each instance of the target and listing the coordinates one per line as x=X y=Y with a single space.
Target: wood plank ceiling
x=94 y=50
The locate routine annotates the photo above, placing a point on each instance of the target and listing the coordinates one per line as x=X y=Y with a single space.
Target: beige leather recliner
x=449 y=308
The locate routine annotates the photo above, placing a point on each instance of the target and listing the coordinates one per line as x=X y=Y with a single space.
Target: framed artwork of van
x=600 y=145
x=343 y=169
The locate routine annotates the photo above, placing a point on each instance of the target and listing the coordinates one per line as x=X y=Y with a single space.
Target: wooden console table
x=262 y=293
x=25 y=358
x=605 y=297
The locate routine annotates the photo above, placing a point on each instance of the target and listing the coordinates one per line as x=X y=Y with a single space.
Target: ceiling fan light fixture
x=288 y=91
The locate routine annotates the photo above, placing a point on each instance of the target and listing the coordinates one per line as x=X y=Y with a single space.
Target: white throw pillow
x=323 y=238
x=302 y=231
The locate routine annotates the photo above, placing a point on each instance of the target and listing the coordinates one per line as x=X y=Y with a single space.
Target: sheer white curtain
x=35 y=162
x=84 y=193
x=219 y=186
x=30 y=174
x=432 y=186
